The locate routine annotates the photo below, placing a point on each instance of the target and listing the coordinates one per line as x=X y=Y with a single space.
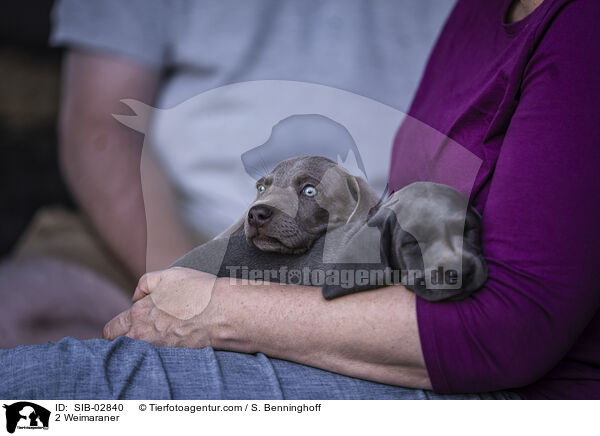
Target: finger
x=146 y=284
x=118 y=326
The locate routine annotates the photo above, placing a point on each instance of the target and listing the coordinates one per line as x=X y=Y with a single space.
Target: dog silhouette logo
x=26 y=415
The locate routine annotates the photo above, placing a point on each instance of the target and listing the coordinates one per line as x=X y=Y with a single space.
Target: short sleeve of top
x=137 y=29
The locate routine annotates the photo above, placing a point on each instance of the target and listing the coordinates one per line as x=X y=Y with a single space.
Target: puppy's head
x=431 y=228
x=300 y=200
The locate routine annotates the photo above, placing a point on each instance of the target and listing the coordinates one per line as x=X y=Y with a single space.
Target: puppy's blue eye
x=309 y=191
x=260 y=188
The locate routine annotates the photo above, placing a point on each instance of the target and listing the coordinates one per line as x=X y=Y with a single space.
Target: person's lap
x=131 y=369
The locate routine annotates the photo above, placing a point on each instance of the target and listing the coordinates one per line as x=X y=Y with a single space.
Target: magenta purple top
x=524 y=100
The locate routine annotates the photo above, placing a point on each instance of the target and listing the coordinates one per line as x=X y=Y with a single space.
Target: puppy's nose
x=259 y=215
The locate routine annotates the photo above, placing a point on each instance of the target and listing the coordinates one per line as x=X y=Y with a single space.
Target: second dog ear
x=473 y=228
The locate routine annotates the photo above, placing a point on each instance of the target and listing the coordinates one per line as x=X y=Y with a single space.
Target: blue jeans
x=131 y=369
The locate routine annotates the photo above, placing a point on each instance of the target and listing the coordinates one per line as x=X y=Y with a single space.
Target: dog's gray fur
x=344 y=226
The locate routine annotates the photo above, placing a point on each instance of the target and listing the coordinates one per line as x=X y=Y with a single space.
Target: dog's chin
x=270 y=244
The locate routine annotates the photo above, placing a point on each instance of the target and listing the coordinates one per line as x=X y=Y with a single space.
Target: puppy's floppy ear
x=345 y=197
x=364 y=196
x=472 y=234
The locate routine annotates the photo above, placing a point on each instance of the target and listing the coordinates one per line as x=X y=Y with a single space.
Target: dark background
x=29 y=94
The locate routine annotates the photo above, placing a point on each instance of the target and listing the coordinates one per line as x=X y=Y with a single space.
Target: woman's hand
x=170 y=308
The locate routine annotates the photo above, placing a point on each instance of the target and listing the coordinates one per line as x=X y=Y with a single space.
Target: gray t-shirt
x=355 y=48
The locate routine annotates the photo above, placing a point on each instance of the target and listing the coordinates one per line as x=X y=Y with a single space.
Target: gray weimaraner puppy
x=313 y=223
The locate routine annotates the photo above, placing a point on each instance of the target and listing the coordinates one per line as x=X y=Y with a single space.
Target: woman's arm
x=372 y=335
x=540 y=230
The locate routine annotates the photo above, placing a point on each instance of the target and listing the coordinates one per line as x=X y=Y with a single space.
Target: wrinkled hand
x=170 y=308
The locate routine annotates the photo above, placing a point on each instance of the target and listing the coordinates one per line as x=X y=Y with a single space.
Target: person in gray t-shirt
x=177 y=56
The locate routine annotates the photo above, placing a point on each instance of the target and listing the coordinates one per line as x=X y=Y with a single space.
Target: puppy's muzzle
x=260 y=215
